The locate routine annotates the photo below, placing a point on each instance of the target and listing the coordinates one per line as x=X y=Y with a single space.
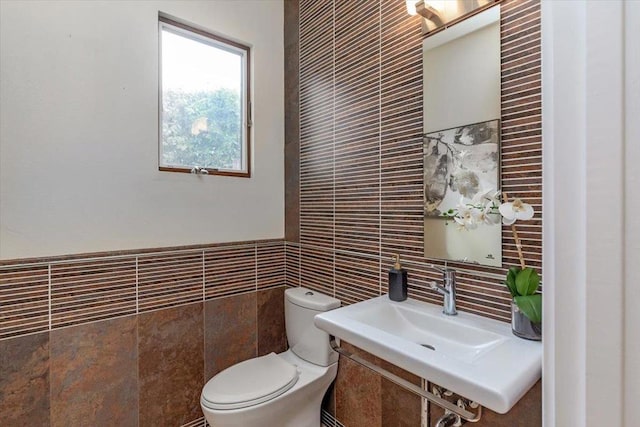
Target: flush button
x=309 y=293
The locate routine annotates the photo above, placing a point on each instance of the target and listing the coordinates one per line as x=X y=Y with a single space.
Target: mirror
x=461 y=78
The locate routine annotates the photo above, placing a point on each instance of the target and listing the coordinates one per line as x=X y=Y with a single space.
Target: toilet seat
x=249 y=383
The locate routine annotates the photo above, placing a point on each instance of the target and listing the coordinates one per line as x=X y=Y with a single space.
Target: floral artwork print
x=459 y=163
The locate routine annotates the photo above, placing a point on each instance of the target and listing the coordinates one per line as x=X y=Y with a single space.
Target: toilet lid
x=249 y=383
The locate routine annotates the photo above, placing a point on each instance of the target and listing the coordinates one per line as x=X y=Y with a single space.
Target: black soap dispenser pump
x=397 y=281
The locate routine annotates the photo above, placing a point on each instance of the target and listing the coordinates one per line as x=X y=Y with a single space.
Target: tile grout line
x=204 y=280
x=137 y=287
x=380 y=275
x=299 y=157
x=49 y=295
x=333 y=140
x=204 y=322
x=257 y=344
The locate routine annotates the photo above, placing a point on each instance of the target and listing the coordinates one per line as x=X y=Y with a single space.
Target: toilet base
x=298 y=407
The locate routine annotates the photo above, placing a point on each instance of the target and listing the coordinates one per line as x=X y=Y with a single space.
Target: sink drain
x=430 y=347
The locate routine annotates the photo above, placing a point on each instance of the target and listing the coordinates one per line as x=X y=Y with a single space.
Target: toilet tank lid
x=313 y=300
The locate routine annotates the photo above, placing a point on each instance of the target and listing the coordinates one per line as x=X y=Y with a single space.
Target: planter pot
x=522 y=326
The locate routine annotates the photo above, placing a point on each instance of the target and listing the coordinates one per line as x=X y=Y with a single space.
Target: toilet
x=283 y=390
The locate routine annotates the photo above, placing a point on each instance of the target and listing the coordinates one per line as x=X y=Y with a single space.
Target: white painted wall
x=591 y=87
x=631 y=372
x=78 y=130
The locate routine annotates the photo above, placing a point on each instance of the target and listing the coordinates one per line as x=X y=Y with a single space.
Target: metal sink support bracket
x=461 y=412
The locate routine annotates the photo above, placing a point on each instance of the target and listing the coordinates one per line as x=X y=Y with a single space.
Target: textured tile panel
x=358 y=392
x=521 y=124
x=357 y=128
x=526 y=413
x=292 y=264
x=401 y=130
x=229 y=270
x=165 y=280
x=200 y=422
x=24 y=380
x=94 y=374
x=317 y=269
x=292 y=121
x=24 y=300
x=361 y=168
x=357 y=277
x=92 y=290
x=270 y=268
x=361 y=152
x=400 y=407
x=317 y=123
x=230 y=332
x=272 y=335
x=171 y=365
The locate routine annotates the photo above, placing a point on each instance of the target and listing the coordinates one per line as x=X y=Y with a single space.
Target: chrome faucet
x=448 y=290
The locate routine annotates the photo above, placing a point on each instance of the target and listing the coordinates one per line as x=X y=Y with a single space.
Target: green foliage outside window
x=202 y=129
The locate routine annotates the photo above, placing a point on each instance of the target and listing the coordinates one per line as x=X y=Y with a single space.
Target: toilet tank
x=305 y=340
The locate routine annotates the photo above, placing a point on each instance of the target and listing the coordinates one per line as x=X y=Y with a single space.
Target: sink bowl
x=476 y=357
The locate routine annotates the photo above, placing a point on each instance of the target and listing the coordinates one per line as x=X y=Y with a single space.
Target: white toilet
x=283 y=390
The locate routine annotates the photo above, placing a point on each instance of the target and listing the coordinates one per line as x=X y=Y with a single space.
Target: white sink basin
x=476 y=357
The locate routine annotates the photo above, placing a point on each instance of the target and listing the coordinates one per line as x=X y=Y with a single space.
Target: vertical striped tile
x=292 y=264
x=85 y=291
x=165 y=280
x=270 y=269
x=229 y=270
x=24 y=300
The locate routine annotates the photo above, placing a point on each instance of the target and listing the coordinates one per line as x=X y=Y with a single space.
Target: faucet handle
x=440 y=289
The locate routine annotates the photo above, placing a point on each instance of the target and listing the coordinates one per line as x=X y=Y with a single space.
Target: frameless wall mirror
x=461 y=139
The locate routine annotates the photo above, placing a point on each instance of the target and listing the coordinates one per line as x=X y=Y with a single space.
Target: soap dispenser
x=397 y=281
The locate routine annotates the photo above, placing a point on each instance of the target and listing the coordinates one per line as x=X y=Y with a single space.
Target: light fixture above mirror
x=427 y=10
x=439 y=14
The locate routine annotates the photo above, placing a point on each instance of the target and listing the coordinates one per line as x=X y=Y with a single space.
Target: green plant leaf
x=531 y=306
x=511 y=280
x=527 y=281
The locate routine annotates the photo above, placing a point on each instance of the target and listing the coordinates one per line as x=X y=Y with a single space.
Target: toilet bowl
x=285 y=389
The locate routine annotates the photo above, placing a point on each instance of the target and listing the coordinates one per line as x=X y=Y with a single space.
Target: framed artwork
x=458 y=163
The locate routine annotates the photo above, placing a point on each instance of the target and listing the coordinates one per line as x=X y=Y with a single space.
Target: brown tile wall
x=360 y=150
x=360 y=183
x=130 y=339
x=291 y=120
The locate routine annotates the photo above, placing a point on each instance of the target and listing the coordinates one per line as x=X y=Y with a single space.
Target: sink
x=424 y=324
x=476 y=357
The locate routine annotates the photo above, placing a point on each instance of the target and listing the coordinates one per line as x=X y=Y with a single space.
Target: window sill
x=210 y=172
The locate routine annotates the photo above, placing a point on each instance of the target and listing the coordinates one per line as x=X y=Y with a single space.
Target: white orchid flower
x=516 y=210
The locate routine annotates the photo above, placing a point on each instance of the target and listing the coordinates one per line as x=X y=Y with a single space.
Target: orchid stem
x=505 y=198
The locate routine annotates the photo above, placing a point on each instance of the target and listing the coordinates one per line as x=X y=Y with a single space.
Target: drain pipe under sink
x=449 y=420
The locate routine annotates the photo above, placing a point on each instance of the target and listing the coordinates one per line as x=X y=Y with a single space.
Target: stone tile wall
x=130 y=339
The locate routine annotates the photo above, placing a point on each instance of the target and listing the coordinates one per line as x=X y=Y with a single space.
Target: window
x=204 y=102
